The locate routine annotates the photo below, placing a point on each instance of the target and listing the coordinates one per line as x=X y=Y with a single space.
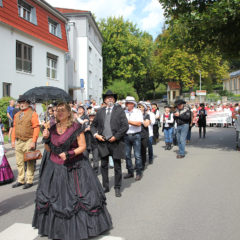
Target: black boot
x=169 y=146
x=166 y=146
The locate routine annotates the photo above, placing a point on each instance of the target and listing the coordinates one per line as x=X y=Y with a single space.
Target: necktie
x=108 y=111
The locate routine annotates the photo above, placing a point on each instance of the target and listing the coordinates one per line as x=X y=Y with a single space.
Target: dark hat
x=167 y=106
x=153 y=103
x=179 y=102
x=202 y=105
x=22 y=98
x=109 y=93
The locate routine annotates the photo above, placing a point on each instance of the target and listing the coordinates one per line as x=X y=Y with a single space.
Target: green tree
x=213 y=23
x=126 y=54
x=123 y=89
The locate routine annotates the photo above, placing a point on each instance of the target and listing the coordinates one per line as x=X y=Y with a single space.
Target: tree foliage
x=123 y=89
x=213 y=23
x=126 y=53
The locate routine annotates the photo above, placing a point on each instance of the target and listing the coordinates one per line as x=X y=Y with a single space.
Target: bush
x=4 y=103
x=213 y=97
x=225 y=93
x=123 y=89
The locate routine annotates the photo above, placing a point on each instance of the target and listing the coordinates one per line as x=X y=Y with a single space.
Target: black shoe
x=106 y=190
x=138 y=178
x=169 y=146
x=118 y=192
x=129 y=175
x=166 y=146
x=150 y=162
x=28 y=185
x=17 y=184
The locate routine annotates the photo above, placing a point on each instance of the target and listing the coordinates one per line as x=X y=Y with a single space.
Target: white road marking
x=19 y=231
x=22 y=231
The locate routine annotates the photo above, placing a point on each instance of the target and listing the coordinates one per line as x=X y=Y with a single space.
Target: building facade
x=33 y=46
x=85 y=63
x=232 y=84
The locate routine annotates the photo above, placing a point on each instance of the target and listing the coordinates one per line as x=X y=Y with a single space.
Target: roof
x=235 y=74
x=67 y=10
x=9 y=15
x=173 y=85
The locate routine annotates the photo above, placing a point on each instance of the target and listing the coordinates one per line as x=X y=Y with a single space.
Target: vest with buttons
x=23 y=127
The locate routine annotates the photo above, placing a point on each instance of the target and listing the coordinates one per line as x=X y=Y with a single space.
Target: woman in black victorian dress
x=70 y=202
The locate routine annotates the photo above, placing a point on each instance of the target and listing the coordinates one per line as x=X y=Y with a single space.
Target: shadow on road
x=216 y=138
x=17 y=202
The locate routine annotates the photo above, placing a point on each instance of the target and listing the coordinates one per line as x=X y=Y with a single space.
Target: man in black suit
x=109 y=128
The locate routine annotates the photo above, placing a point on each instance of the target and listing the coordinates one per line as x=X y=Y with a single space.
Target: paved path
x=195 y=198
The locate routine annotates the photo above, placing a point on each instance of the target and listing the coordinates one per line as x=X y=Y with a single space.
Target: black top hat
x=179 y=102
x=22 y=98
x=109 y=93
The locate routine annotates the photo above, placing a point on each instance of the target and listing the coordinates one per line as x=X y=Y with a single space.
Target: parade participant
x=144 y=132
x=25 y=132
x=182 y=116
x=150 y=131
x=92 y=142
x=133 y=138
x=70 y=202
x=109 y=127
x=82 y=115
x=167 y=122
x=6 y=174
x=191 y=124
x=236 y=117
x=10 y=109
x=202 y=114
x=156 y=124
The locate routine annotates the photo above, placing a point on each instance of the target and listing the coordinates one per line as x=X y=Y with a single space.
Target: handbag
x=34 y=155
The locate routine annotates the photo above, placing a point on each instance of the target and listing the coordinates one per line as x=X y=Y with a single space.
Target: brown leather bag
x=28 y=156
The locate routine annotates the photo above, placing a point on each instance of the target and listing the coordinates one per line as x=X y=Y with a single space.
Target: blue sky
x=147 y=14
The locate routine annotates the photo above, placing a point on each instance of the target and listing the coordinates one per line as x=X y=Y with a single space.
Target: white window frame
x=27 y=12
x=54 y=28
x=52 y=63
x=24 y=58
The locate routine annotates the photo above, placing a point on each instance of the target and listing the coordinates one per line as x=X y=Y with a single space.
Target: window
x=90 y=79
x=54 y=28
x=23 y=57
x=51 y=66
x=6 y=89
x=27 y=12
x=1 y=3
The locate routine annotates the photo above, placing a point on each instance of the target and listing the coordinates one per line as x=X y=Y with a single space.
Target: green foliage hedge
x=4 y=103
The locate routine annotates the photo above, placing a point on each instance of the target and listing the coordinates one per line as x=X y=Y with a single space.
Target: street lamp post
x=200 y=85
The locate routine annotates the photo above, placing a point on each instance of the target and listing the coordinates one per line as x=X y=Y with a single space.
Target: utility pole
x=200 y=85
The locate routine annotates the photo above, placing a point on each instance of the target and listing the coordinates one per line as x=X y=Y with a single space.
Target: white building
x=232 y=84
x=85 y=62
x=33 y=47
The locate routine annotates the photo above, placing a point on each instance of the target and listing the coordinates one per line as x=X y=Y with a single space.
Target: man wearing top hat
x=109 y=128
x=25 y=133
x=182 y=117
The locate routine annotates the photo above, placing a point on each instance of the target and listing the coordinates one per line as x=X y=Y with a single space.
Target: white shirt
x=167 y=121
x=150 y=126
x=237 y=122
x=136 y=116
x=111 y=108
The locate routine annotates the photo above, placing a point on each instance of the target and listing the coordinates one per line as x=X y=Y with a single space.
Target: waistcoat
x=23 y=126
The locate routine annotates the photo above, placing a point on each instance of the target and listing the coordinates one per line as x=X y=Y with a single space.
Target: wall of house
x=85 y=58
x=232 y=85
x=20 y=81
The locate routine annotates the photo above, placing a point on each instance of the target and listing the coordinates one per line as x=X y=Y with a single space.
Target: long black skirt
x=70 y=202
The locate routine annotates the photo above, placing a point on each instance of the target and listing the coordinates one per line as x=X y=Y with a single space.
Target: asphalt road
x=195 y=198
